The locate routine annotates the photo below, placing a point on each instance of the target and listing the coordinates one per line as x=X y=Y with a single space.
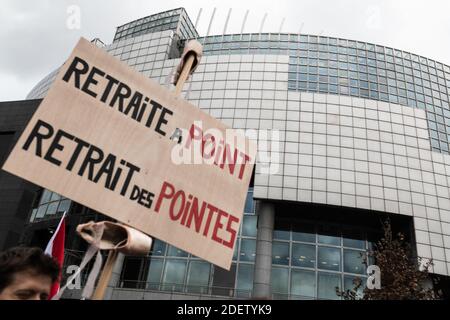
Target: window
x=245 y=280
x=335 y=255
x=281 y=231
x=175 y=252
x=224 y=281
x=329 y=235
x=159 y=248
x=368 y=66
x=327 y=283
x=303 y=283
x=303 y=255
x=350 y=283
x=131 y=271
x=45 y=196
x=41 y=211
x=329 y=258
x=353 y=262
x=280 y=280
x=353 y=239
x=248 y=250
x=154 y=274
x=172 y=269
x=280 y=253
x=52 y=208
x=63 y=206
x=50 y=204
x=174 y=273
x=249 y=203
x=249 y=226
x=55 y=197
x=198 y=277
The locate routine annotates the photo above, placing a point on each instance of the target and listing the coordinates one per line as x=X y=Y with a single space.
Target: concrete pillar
x=263 y=263
x=115 y=277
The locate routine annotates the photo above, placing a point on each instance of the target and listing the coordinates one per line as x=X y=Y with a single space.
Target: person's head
x=26 y=274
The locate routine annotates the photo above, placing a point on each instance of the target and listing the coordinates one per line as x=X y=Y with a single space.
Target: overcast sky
x=35 y=37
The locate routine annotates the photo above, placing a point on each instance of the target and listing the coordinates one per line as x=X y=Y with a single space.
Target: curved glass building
x=363 y=136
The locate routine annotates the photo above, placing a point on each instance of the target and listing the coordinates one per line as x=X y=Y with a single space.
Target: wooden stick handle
x=105 y=276
x=184 y=73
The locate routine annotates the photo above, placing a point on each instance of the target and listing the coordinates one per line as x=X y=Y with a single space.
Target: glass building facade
x=310 y=260
x=176 y=20
x=169 y=269
x=363 y=131
x=50 y=205
x=359 y=69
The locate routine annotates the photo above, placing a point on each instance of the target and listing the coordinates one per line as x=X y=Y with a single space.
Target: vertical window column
x=115 y=277
x=263 y=262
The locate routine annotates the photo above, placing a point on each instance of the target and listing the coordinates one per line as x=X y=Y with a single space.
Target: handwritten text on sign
x=105 y=136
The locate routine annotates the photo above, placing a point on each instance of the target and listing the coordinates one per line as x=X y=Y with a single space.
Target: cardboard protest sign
x=115 y=141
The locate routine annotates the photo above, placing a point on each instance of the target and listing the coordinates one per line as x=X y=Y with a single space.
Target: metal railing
x=176 y=288
x=199 y=291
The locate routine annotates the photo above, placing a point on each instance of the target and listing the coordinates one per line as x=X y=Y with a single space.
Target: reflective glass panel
x=281 y=231
x=244 y=280
x=45 y=196
x=55 y=197
x=280 y=253
x=52 y=208
x=353 y=262
x=249 y=203
x=248 y=250
x=198 y=276
x=280 y=278
x=174 y=272
x=249 y=226
x=41 y=211
x=353 y=239
x=303 y=283
x=329 y=235
x=175 y=252
x=236 y=249
x=64 y=206
x=159 y=248
x=350 y=284
x=327 y=283
x=303 y=255
x=303 y=232
x=329 y=258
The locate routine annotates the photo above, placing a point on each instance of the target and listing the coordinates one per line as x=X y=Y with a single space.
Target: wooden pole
x=184 y=73
x=105 y=276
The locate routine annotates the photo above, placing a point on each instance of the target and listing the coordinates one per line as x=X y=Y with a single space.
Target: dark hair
x=20 y=259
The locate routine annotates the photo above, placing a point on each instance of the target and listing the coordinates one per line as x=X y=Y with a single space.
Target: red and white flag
x=55 y=248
